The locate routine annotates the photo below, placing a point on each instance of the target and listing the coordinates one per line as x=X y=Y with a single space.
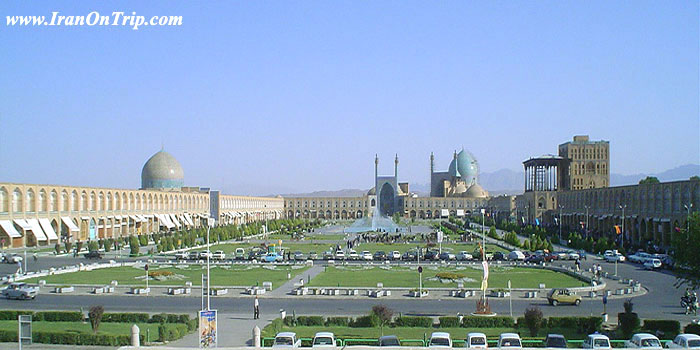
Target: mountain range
x=506 y=181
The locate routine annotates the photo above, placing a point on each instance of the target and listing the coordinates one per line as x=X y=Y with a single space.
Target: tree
x=533 y=320
x=95 y=316
x=629 y=321
x=134 y=246
x=649 y=180
x=686 y=245
x=493 y=233
x=695 y=178
x=384 y=314
x=397 y=218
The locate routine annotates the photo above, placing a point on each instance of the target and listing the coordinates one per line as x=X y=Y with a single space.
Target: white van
x=440 y=340
x=286 y=340
x=323 y=340
x=509 y=341
x=476 y=341
x=596 y=341
x=652 y=264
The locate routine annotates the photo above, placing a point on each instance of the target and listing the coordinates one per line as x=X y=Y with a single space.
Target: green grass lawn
x=410 y=332
x=403 y=247
x=408 y=277
x=107 y=328
x=220 y=276
x=326 y=237
x=293 y=246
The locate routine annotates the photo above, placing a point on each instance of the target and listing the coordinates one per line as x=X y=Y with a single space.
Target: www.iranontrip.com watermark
x=92 y=19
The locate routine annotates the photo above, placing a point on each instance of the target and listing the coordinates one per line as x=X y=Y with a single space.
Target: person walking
x=256 y=308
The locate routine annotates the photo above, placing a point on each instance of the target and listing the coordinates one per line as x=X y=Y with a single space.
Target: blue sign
x=207 y=329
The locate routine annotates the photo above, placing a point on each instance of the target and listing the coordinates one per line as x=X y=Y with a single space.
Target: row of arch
x=329 y=203
x=31 y=199
x=328 y=214
x=442 y=203
x=637 y=229
x=239 y=202
x=663 y=198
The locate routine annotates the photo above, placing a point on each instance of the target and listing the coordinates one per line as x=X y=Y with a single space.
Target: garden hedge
x=59 y=316
x=449 y=322
x=413 y=321
x=365 y=321
x=338 y=321
x=310 y=321
x=122 y=317
x=692 y=328
x=670 y=328
x=488 y=322
x=584 y=325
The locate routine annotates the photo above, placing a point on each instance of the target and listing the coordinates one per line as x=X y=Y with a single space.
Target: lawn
x=403 y=247
x=220 y=276
x=325 y=237
x=304 y=247
x=106 y=328
x=410 y=332
x=350 y=276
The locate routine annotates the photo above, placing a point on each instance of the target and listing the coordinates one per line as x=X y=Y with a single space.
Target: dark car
x=379 y=255
x=299 y=256
x=389 y=340
x=409 y=255
x=535 y=259
x=93 y=255
x=431 y=255
x=498 y=256
x=446 y=256
x=555 y=341
x=551 y=257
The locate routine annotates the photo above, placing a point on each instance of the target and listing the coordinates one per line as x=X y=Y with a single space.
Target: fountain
x=376 y=222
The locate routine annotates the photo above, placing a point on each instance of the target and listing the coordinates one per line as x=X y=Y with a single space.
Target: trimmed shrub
x=366 y=321
x=488 y=322
x=692 y=328
x=414 y=321
x=533 y=320
x=58 y=316
x=13 y=315
x=310 y=321
x=290 y=321
x=337 y=321
x=130 y=317
x=449 y=321
x=583 y=325
x=449 y=275
x=670 y=328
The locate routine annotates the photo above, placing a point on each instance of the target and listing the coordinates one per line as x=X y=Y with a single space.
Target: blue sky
x=278 y=96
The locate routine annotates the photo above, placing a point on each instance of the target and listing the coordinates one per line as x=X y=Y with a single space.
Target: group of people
x=690 y=301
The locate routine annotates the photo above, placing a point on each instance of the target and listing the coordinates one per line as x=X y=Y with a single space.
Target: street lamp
x=560 y=208
x=688 y=207
x=622 y=241
x=527 y=212
x=483 y=236
x=210 y=223
x=586 y=230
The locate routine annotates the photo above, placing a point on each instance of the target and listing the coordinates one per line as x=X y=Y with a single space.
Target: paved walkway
x=286 y=288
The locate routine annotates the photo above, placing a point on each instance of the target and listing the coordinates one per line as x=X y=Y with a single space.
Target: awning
x=46 y=225
x=189 y=219
x=460 y=212
x=444 y=212
x=118 y=217
x=174 y=220
x=71 y=225
x=23 y=224
x=10 y=229
x=134 y=218
x=84 y=218
x=143 y=218
x=165 y=221
x=36 y=229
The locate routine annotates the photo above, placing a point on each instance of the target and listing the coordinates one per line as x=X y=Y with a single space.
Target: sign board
x=605 y=299
x=420 y=269
x=439 y=236
x=25 y=330
x=146 y=267
x=207 y=329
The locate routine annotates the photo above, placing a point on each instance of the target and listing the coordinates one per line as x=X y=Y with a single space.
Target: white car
x=13 y=259
x=639 y=257
x=476 y=341
x=573 y=255
x=182 y=255
x=340 y=255
x=652 y=264
x=352 y=255
x=643 y=341
x=323 y=340
x=395 y=255
x=509 y=341
x=464 y=256
x=286 y=340
x=516 y=256
x=613 y=256
x=685 y=341
x=596 y=341
x=440 y=340
x=366 y=255
x=203 y=254
x=219 y=255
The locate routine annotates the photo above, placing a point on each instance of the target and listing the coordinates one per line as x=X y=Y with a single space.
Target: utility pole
x=687 y=220
x=622 y=240
x=560 y=223
x=210 y=221
x=586 y=230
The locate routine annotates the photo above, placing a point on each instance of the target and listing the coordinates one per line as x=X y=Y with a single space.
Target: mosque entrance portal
x=386 y=199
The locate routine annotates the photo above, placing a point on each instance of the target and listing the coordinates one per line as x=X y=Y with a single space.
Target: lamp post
x=586 y=231
x=527 y=212
x=622 y=241
x=560 y=208
x=483 y=236
x=210 y=222
x=688 y=207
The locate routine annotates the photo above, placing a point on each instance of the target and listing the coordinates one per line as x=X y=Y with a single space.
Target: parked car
x=613 y=256
x=440 y=340
x=446 y=256
x=395 y=255
x=256 y=254
x=573 y=255
x=558 y=296
x=639 y=257
x=313 y=255
x=643 y=341
x=239 y=253
x=431 y=255
x=516 y=255
x=323 y=340
x=464 y=256
x=273 y=257
x=366 y=255
x=20 y=290
x=596 y=341
x=182 y=255
x=389 y=340
x=476 y=341
x=409 y=255
x=339 y=255
x=379 y=255
x=218 y=255
x=93 y=255
x=509 y=341
x=13 y=259
x=204 y=253
x=498 y=256
x=562 y=255
x=685 y=341
x=555 y=341
x=534 y=258
x=299 y=256
x=352 y=255
x=286 y=340
x=652 y=264
x=193 y=256
x=549 y=257
x=328 y=255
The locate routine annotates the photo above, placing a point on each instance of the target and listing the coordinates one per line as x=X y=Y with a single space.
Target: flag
x=618 y=230
x=537 y=222
x=485 y=280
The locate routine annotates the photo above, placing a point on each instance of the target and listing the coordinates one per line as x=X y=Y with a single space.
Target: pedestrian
x=600 y=271
x=256 y=308
x=578 y=265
